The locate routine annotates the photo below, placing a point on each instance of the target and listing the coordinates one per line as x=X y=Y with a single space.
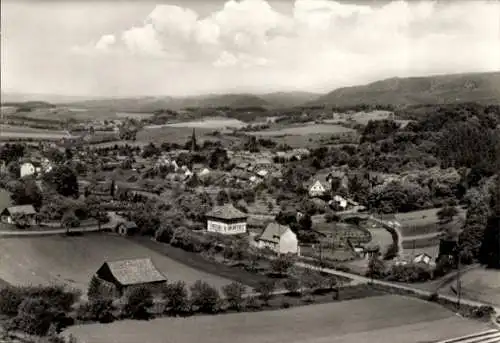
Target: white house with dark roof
x=226 y=220
x=279 y=238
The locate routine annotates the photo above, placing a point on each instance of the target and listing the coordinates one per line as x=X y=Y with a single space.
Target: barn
x=121 y=275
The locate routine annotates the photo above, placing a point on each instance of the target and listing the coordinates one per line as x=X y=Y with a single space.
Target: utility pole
x=459 y=283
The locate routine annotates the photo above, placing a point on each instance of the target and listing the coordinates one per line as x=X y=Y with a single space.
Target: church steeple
x=193 y=141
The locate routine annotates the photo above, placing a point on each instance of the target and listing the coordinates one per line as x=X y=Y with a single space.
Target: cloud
x=105 y=42
x=323 y=40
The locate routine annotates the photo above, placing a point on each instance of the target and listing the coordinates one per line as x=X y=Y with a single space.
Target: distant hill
x=440 y=89
x=151 y=104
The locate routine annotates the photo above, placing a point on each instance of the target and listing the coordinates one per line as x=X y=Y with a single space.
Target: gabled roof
x=134 y=272
x=227 y=211
x=21 y=209
x=273 y=232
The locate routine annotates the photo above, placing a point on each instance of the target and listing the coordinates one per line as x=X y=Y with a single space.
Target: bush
x=281 y=265
x=252 y=303
x=292 y=285
x=204 y=297
x=410 y=273
x=164 y=234
x=10 y=299
x=97 y=310
x=265 y=290
x=35 y=316
x=176 y=298
x=483 y=311
x=138 y=302
x=234 y=295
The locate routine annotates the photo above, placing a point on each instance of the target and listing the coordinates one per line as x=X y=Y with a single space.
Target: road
x=114 y=219
x=358 y=279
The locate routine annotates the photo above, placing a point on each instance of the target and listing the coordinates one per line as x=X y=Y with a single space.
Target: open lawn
x=421 y=222
x=378 y=319
x=481 y=285
x=73 y=260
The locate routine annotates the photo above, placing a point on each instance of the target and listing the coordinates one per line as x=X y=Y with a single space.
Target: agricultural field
x=73 y=260
x=379 y=319
x=364 y=117
x=421 y=222
x=15 y=132
x=304 y=130
x=215 y=123
x=305 y=136
x=481 y=285
x=180 y=135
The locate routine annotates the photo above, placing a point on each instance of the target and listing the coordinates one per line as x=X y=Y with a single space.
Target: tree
x=376 y=268
x=204 y=297
x=472 y=234
x=489 y=253
x=69 y=220
x=312 y=280
x=281 y=265
x=64 y=180
x=138 y=302
x=98 y=309
x=176 y=298
x=35 y=316
x=265 y=289
x=222 y=197
x=305 y=222
x=292 y=285
x=94 y=289
x=26 y=192
x=234 y=295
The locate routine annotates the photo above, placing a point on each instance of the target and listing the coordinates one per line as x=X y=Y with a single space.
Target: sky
x=137 y=48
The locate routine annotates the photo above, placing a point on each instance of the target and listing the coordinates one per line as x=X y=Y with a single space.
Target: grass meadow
x=379 y=319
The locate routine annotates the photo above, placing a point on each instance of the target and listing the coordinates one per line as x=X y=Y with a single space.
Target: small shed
x=8 y=214
x=124 y=274
x=128 y=228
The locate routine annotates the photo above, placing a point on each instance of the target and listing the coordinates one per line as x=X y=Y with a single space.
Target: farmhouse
x=226 y=220
x=29 y=168
x=279 y=238
x=28 y=211
x=118 y=276
x=318 y=188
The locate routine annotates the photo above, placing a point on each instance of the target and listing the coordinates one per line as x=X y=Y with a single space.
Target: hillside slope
x=440 y=89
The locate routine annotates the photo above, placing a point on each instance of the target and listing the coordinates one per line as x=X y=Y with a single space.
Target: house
x=422 y=258
x=8 y=214
x=279 y=238
x=339 y=202
x=226 y=220
x=318 y=189
x=262 y=173
x=30 y=168
x=118 y=276
x=204 y=172
x=126 y=228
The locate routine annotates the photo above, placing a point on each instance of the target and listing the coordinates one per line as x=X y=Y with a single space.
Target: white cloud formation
x=105 y=42
x=322 y=40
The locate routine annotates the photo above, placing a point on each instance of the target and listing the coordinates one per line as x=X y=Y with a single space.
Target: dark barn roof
x=133 y=272
x=226 y=212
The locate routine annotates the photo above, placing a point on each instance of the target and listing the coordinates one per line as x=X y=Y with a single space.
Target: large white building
x=226 y=220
